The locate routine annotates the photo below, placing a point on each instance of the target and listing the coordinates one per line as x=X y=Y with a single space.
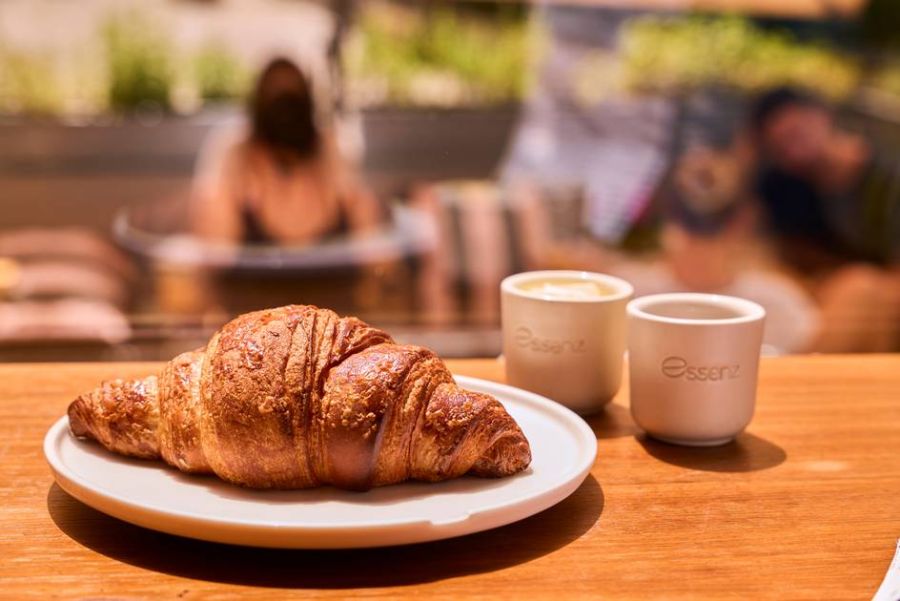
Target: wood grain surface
x=805 y=505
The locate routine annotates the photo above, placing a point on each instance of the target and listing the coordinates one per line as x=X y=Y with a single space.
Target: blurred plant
x=881 y=91
x=131 y=68
x=676 y=54
x=218 y=74
x=887 y=78
x=438 y=57
x=28 y=84
x=139 y=64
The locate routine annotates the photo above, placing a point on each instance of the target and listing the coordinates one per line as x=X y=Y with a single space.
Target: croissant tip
x=78 y=417
x=509 y=455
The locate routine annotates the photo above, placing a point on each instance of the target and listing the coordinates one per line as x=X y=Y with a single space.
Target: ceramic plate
x=149 y=494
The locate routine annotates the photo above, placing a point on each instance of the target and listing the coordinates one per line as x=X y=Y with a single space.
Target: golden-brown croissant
x=297 y=397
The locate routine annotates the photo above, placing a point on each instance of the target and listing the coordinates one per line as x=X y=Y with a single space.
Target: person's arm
x=215 y=212
x=363 y=209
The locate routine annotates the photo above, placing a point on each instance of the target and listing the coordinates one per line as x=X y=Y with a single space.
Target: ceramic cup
x=568 y=349
x=693 y=361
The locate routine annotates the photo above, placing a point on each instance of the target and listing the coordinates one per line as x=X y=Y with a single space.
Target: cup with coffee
x=693 y=361
x=564 y=335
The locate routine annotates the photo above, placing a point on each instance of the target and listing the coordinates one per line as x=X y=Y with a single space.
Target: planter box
x=54 y=174
x=409 y=145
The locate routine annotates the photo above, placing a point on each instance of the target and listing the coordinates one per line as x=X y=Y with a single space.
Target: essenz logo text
x=525 y=338
x=678 y=367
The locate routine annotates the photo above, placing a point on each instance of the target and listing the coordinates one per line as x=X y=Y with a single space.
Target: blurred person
x=831 y=199
x=282 y=181
x=707 y=242
x=708 y=245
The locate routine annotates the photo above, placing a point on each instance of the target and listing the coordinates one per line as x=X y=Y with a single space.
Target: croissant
x=298 y=397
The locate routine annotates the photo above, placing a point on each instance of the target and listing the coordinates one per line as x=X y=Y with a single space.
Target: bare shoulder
x=330 y=151
x=228 y=144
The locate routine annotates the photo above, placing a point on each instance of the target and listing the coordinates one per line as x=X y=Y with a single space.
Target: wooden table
x=806 y=505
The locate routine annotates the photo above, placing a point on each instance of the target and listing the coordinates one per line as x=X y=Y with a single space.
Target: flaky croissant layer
x=297 y=397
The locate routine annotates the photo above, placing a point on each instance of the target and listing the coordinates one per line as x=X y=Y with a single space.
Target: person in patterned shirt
x=831 y=199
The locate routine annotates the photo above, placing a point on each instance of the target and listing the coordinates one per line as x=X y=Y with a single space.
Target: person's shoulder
x=328 y=146
x=229 y=142
x=327 y=157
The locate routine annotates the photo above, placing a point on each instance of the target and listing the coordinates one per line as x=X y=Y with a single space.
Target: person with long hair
x=281 y=181
x=831 y=199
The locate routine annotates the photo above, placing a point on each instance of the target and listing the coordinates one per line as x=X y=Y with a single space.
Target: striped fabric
x=485 y=233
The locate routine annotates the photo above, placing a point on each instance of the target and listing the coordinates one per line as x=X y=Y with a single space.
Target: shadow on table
x=355 y=568
x=746 y=453
x=613 y=422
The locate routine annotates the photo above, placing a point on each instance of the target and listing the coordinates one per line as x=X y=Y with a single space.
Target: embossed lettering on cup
x=693 y=362
x=525 y=338
x=564 y=335
x=678 y=367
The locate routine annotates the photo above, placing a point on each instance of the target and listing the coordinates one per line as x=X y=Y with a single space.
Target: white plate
x=149 y=494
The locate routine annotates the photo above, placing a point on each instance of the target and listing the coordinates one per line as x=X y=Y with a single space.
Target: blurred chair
x=62 y=289
x=486 y=231
x=53 y=321
x=69 y=244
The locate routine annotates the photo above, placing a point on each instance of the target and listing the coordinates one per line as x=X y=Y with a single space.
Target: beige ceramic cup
x=693 y=361
x=569 y=350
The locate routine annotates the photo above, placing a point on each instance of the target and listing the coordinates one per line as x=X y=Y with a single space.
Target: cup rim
x=749 y=310
x=622 y=289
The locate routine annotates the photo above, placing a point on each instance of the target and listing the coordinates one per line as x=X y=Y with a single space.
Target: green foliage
x=441 y=55
x=886 y=78
x=139 y=64
x=673 y=54
x=218 y=74
x=27 y=84
x=130 y=68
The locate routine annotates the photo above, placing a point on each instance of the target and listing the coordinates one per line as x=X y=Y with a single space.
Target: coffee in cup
x=693 y=362
x=564 y=335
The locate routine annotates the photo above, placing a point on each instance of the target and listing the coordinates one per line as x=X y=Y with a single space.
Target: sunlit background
x=742 y=147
